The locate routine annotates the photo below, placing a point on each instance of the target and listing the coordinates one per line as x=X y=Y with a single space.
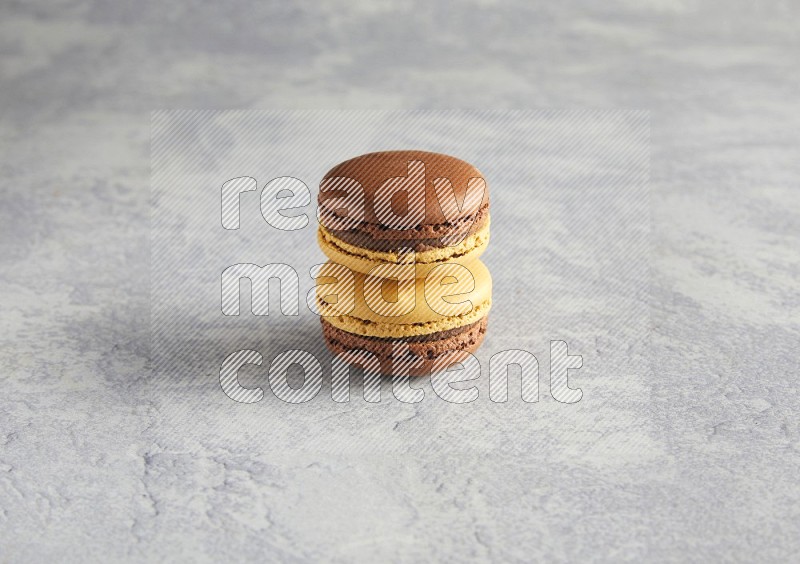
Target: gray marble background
x=698 y=463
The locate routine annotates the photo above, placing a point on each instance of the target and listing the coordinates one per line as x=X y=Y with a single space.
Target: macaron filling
x=431 y=255
x=376 y=237
x=427 y=347
x=387 y=330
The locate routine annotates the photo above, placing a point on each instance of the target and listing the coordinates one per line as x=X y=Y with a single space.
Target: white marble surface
x=698 y=463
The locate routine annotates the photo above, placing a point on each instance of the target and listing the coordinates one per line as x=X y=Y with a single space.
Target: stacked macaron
x=404 y=230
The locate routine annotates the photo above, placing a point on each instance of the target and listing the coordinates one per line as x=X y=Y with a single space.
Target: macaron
x=414 y=324
x=396 y=207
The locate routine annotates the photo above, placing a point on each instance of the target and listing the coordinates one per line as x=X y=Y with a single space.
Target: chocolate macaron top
x=403 y=195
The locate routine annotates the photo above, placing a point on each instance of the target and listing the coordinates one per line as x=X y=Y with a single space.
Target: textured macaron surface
x=363 y=259
x=423 y=352
x=413 y=199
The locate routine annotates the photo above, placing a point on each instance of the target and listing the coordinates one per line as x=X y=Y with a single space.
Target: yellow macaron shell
x=447 y=296
x=363 y=260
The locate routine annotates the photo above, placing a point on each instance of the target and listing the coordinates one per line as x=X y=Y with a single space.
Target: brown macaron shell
x=372 y=170
x=423 y=351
